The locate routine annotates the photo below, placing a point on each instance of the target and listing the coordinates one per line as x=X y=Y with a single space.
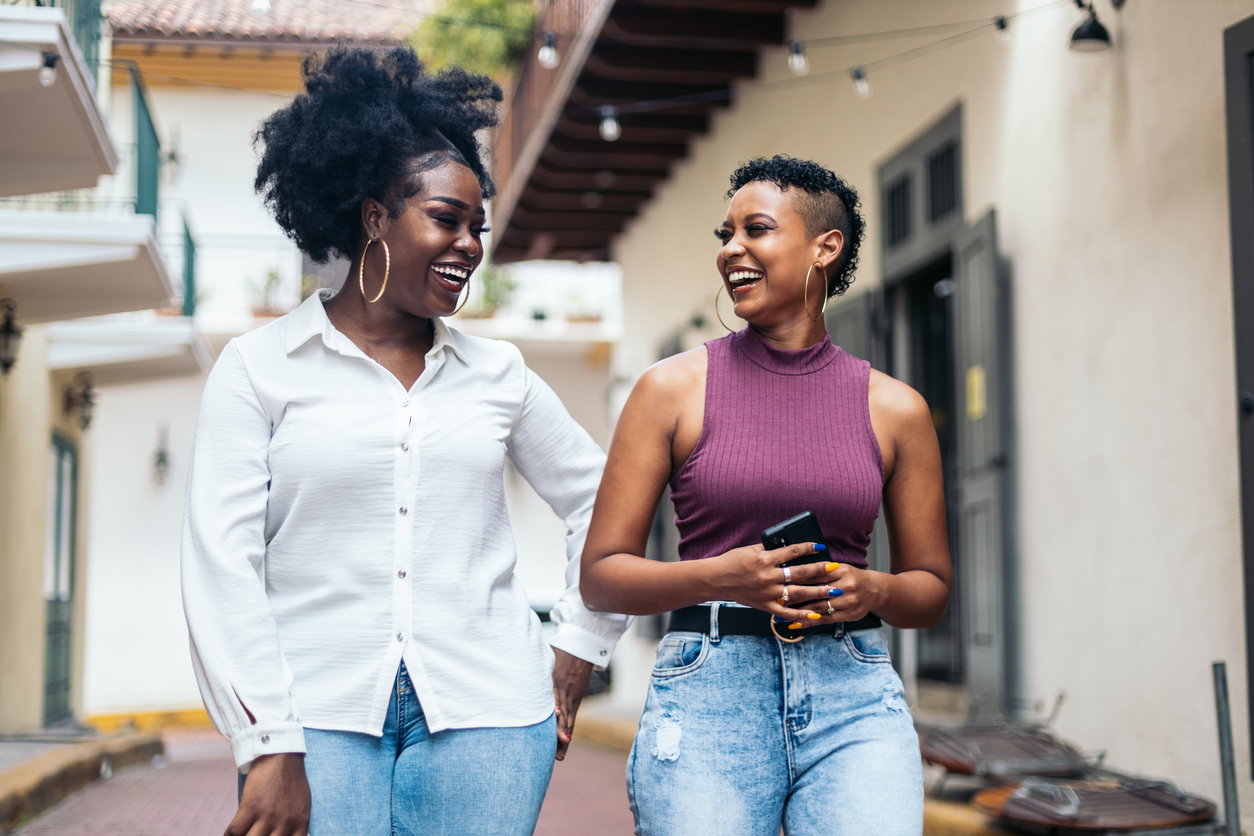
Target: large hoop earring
x=361 y=269
x=805 y=294
x=464 y=301
x=716 y=313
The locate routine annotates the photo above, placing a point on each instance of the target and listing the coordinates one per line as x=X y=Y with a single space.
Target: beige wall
x=30 y=408
x=1108 y=176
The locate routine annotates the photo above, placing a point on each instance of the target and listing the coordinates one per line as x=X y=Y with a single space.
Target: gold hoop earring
x=361 y=269
x=716 y=313
x=464 y=301
x=805 y=294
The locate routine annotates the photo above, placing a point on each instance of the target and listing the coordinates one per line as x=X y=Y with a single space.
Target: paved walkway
x=193 y=794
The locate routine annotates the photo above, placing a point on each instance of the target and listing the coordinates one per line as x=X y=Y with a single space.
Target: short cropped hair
x=369 y=122
x=824 y=201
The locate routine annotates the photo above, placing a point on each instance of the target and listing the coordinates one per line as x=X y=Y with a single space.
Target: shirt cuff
x=583 y=644
x=266 y=739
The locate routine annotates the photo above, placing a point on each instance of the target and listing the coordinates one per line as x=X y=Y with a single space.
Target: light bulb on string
x=548 y=56
x=610 y=129
x=861 y=87
x=48 y=72
x=1003 y=28
x=797 y=61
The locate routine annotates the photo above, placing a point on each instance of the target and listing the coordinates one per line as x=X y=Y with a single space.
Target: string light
x=547 y=56
x=1003 y=28
x=861 y=87
x=610 y=129
x=48 y=72
x=797 y=61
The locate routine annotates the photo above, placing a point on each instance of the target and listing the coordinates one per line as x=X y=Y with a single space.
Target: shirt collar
x=310 y=320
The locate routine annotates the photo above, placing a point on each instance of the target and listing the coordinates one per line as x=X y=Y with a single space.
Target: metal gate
x=59 y=578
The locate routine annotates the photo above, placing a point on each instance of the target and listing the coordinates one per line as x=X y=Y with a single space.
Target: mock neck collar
x=784 y=361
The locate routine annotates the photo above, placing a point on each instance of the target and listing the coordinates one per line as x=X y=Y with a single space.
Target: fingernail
x=796 y=625
x=819 y=547
x=831 y=567
x=832 y=593
x=779 y=601
x=813 y=616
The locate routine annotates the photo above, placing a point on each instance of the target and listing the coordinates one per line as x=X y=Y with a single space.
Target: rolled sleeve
x=564 y=465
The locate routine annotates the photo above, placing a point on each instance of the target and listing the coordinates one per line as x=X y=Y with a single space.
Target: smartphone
x=803 y=528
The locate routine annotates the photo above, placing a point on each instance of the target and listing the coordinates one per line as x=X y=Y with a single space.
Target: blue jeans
x=411 y=782
x=742 y=734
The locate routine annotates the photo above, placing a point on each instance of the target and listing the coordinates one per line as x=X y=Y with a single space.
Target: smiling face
x=434 y=243
x=766 y=253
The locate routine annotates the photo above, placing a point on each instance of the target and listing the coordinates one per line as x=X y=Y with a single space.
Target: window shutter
x=982 y=406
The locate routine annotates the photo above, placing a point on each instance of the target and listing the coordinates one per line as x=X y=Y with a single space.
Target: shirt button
x=265 y=738
x=404 y=510
x=400 y=637
x=401 y=573
x=404 y=446
x=406 y=403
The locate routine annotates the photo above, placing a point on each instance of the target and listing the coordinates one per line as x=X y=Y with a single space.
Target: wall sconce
x=161 y=459
x=10 y=336
x=1089 y=36
x=81 y=397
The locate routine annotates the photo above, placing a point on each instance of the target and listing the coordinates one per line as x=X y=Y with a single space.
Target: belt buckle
x=792 y=640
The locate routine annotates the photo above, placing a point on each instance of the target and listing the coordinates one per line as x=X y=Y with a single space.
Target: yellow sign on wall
x=977 y=393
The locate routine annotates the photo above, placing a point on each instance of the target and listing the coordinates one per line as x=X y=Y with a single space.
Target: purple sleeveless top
x=784 y=432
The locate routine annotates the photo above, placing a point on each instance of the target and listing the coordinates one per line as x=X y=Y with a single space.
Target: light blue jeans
x=414 y=783
x=742 y=735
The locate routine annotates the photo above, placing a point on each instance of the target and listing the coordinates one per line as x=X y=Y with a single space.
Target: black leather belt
x=744 y=621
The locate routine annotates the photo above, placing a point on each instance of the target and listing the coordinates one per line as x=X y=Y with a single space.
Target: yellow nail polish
x=796 y=625
x=814 y=615
x=831 y=567
x=779 y=600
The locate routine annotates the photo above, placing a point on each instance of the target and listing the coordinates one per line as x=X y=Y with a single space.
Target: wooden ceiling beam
x=637 y=127
x=749 y=6
x=691 y=28
x=508 y=255
x=685 y=66
x=545 y=200
x=555 y=239
x=581 y=221
x=595 y=179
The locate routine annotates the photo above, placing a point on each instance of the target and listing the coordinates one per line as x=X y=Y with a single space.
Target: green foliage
x=484 y=36
x=497 y=289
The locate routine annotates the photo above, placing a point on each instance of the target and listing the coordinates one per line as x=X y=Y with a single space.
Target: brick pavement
x=194 y=795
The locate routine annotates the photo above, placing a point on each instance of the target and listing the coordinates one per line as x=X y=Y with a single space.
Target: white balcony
x=54 y=137
x=129 y=348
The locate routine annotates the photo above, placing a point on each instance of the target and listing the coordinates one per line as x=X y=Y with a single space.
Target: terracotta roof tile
x=300 y=21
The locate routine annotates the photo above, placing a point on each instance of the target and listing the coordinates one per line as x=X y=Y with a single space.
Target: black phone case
x=803 y=528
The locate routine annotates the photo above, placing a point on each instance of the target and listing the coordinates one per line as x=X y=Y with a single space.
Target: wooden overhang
x=664 y=65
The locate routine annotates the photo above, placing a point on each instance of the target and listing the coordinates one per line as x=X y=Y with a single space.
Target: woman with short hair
x=357 y=629
x=772 y=701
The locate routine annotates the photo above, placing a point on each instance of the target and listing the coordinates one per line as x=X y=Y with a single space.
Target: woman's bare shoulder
x=675 y=375
x=897 y=403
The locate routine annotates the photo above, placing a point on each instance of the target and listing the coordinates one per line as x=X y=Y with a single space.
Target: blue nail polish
x=819 y=547
x=832 y=593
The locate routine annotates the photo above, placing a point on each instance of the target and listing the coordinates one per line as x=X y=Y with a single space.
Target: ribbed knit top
x=784 y=432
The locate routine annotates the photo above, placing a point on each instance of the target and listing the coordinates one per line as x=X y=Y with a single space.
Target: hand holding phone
x=803 y=528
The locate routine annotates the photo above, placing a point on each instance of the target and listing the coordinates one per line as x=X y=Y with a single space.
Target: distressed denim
x=410 y=782
x=742 y=735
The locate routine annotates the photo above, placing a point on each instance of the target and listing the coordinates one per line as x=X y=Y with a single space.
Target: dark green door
x=59 y=578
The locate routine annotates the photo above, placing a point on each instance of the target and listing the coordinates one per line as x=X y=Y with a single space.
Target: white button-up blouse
x=338 y=524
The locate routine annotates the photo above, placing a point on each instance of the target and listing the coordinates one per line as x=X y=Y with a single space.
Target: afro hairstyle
x=369 y=122
x=823 y=200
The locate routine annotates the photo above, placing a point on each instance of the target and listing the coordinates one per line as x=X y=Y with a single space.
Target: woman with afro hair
x=772 y=701
x=357 y=629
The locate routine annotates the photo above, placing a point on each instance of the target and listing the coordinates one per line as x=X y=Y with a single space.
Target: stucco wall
x=1107 y=173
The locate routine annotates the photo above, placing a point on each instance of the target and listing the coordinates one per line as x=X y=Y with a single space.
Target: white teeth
x=456 y=273
x=741 y=276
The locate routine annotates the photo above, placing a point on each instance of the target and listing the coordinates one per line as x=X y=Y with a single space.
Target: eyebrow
x=459 y=204
x=759 y=215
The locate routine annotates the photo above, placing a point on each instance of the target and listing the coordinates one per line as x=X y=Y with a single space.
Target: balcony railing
x=85 y=20
x=147 y=152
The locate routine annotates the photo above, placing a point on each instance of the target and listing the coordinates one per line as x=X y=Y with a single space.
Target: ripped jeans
x=743 y=734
